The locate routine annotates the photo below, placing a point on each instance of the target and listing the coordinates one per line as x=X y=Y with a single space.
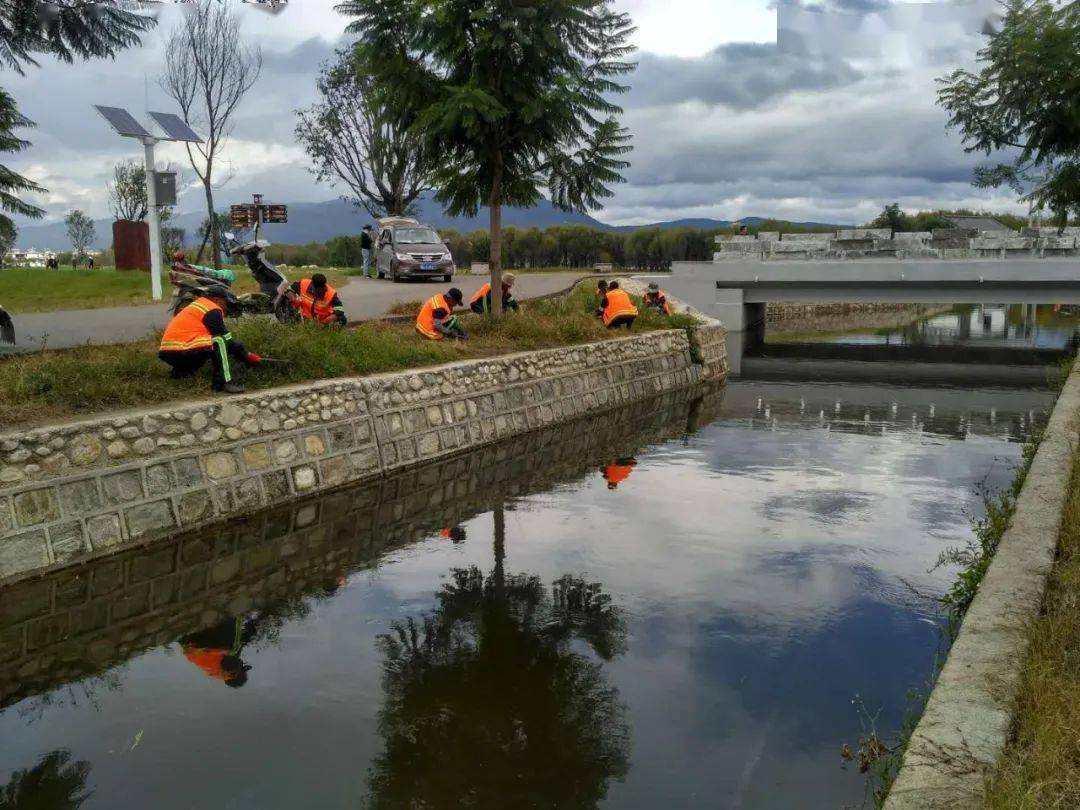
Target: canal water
x=693 y=602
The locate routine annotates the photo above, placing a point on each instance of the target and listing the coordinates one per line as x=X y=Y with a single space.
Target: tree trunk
x=213 y=235
x=495 y=207
x=500 y=549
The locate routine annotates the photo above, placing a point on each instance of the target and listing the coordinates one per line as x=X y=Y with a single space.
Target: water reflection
x=54 y=783
x=488 y=703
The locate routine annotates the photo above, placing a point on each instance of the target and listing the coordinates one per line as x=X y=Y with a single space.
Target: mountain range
x=320 y=221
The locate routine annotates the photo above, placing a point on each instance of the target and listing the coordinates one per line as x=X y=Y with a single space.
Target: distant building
x=26 y=257
x=980 y=224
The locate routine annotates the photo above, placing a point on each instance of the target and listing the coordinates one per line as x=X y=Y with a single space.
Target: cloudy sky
x=830 y=124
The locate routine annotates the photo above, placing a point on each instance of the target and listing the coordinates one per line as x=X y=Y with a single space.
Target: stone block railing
x=71 y=491
x=862 y=243
x=73 y=622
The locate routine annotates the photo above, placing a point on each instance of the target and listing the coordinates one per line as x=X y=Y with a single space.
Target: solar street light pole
x=155 y=220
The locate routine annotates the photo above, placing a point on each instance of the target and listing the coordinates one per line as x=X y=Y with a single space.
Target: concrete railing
x=863 y=243
x=75 y=490
x=72 y=623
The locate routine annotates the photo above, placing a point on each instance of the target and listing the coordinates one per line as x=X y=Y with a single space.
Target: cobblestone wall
x=81 y=489
x=78 y=621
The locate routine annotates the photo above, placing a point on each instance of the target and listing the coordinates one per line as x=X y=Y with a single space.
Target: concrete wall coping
x=968 y=717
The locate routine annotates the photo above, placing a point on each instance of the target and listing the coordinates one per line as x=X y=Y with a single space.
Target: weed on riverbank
x=52 y=385
x=1041 y=766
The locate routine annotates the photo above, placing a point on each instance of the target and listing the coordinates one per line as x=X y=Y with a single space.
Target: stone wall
x=863 y=243
x=77 y=621
x=796 y=316
x=87 y=488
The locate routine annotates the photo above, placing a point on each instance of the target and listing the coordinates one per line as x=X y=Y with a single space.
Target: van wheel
x=394 y=276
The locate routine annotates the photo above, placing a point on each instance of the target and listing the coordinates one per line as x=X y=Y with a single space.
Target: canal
x=692 y=602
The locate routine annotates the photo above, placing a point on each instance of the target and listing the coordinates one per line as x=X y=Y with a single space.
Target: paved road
x=363 y=298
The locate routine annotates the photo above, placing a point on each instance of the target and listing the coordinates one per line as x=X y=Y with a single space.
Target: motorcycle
x=274 y=297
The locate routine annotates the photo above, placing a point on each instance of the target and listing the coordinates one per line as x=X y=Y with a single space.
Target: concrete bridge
x=736 y=292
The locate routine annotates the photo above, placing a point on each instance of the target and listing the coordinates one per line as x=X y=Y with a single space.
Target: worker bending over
x=655 y=298
x=601 y=289
x=318 y=301
x=616 y=308
x=197 y=333
x=437 y=319
x=481 y=300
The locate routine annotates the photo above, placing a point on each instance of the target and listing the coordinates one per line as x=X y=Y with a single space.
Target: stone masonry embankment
x=76 y=622
x=965 y=726
x=71 y=491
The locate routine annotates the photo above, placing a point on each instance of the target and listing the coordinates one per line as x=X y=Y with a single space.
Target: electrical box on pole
x=165 y=188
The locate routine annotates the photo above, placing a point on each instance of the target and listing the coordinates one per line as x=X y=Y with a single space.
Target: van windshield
x=416 y=236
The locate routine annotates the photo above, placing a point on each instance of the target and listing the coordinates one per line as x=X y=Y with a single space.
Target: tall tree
x=358 y=135
x=127 y=191
x=512 y=96
x=208 y=71
x=80 y=231
x=894 y=217
x=67 y=30
x=1025 y=101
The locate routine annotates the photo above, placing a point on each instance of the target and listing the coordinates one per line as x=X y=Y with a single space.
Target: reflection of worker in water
x=216 y=650
x=618 y=472
x=455 y=535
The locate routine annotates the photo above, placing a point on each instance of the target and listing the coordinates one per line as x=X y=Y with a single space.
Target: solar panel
x=175 y=127
x=122 y=121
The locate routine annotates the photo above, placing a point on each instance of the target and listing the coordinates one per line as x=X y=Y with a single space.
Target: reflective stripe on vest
x=618 y=303
x=655 y=298
x=186 y=331
x=425 y=321
x=318 y=308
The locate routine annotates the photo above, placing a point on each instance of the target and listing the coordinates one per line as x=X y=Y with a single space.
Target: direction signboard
x=277 y=213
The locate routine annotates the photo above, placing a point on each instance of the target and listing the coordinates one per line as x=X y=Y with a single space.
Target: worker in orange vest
x=437 y=320
x=216 y=650
x=618 y=472
x=197 y=333
x=318 y=301
x=657 y=299
x=601 y=289
x=616 y=308
x=481 y=300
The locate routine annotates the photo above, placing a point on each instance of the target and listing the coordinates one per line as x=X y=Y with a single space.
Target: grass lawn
x=39 y=290
x=1041 y=766
x=47 y=386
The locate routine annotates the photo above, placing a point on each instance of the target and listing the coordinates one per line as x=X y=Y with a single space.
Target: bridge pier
x=735 y=314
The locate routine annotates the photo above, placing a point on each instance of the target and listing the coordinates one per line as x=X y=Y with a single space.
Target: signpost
x=250 y=215
x=176 y=130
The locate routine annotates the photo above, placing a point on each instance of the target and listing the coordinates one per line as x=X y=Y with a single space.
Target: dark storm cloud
x=739 y=75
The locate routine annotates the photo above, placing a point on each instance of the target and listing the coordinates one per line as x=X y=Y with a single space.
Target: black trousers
x=622 y=320
x=187 y=363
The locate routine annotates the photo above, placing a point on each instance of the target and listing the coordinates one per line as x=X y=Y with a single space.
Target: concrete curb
x=968 y=718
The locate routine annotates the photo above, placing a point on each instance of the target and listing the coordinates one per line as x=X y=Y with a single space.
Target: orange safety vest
x=208 y=660
x=425 y=321
x=479 y=294
x=618 y=303
x=656 y=296
x=317 y=308
x=615 y=474
x=186 y=331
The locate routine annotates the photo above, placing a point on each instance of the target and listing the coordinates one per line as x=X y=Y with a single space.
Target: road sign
x=277 y=213
x=243 y=217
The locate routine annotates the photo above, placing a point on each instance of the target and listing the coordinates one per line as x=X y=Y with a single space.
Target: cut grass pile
x=52 y=385
x=39 y=290
x=1041 y=766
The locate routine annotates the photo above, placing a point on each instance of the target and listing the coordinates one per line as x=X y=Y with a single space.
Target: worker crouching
x=616 y=308
x=197 y=334
x=657 y=299
x=437 y=319
x=318 y=301
x=480 y=303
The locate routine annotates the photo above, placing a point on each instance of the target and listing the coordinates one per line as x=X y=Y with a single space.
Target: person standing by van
x=367 y=245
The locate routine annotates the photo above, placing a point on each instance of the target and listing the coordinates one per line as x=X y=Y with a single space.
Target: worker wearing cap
x=481 y=300
x=657 y=299
x=197 y=333
x=437 y=320
x=318 y=301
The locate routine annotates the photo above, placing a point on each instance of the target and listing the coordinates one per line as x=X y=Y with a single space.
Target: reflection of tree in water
x=55 y=783
x=487 y=705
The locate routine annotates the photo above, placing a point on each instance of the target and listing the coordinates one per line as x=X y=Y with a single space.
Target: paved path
x=363 y=298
